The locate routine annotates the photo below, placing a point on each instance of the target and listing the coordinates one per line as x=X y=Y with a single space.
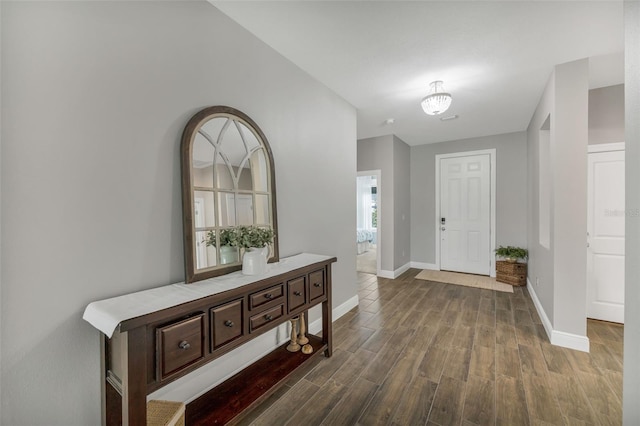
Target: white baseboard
x=336 y=313
x=394 y=274
x=345 y=307
x=541 y=312
x=423 y=265
x=570 y=340
x=385 y=274
x=558 y=338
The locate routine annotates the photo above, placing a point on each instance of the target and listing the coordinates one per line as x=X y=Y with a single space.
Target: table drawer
x=226 y=323
x=180 y=344
x=297 y=293
x=265 y=296
x=266 y=317
x=316 y=284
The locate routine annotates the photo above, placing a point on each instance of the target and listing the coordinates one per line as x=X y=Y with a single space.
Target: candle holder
x=293 y=346
x=302 y=339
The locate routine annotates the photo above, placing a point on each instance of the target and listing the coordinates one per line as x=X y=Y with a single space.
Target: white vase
x=254 y=261
x=228 y=255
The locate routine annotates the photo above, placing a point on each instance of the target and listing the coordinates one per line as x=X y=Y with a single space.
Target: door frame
x=606 y=147
x=378 y=174
x=492 y=203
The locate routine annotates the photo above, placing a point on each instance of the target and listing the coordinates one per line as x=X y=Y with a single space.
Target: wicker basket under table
x=165 y=413
x=511 y=273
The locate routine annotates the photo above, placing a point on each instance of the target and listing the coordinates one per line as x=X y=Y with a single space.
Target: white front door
x=605 y=236
x=465 y=214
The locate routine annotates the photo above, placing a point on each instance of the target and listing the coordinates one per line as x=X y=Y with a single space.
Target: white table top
x=107 y=314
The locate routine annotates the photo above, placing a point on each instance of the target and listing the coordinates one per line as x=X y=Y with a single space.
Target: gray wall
x=631 y=391
x=606 y=114
x=390 y=155
x=540 y=268
x=401 y=203
x=562 y=292
x=511 y=191
x=95 y=96
x=377 y=154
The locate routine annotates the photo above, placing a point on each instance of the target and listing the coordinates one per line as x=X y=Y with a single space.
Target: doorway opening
x=368 y=222
x=606 y=232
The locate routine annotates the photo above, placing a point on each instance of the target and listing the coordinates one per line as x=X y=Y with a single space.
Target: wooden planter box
x=511 y=273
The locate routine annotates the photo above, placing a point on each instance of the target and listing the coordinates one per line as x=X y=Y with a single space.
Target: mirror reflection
x=228 y=183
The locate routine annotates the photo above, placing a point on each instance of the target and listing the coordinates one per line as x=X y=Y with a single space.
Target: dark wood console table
x=156 y=336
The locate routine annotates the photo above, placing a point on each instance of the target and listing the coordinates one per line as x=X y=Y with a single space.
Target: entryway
x=368 y=222
x=606 y=232
x=465 y=212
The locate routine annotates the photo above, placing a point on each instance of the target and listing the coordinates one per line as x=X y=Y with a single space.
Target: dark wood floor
x=422 y=353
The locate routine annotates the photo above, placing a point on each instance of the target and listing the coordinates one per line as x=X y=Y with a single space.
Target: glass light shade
x=437 y=101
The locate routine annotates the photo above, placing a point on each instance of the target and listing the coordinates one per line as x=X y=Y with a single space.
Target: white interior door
x=605 y=236
x=465 y=214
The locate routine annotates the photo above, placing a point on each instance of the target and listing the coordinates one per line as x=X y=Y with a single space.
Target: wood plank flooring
x=423 y=353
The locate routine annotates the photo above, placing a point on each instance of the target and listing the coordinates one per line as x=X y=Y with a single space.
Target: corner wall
x=377 y=154
x=558 y=274
x=401 y=204
x=390 y=155
x=95 y=96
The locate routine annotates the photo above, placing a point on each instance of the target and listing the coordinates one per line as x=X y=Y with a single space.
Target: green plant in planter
x=254 y=236
x=511 y=253
x=228 y=237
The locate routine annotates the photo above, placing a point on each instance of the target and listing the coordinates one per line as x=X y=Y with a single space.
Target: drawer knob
x=297 y=293
x=268 y=317
x=228 y=323
x=184 y=345
x=316 y=284
x=269 y=296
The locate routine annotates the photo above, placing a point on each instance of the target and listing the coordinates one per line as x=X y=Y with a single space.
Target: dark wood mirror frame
x=186 y=152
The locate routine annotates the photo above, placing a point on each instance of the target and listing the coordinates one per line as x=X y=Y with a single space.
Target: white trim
x=337 y=312
x=492 y=230
x=395 y=274
x=543 y=315
x=423 y=265
x=378 y=174
x=606 y=147
x=558 y=338
x=570 y=340
x=385 y=274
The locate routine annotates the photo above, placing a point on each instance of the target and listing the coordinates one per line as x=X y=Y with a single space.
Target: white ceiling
x=494 y=57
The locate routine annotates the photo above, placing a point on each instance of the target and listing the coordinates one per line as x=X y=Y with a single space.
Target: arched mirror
x=228 y=183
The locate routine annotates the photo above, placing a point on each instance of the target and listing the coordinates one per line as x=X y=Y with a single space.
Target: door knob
x=442 y=228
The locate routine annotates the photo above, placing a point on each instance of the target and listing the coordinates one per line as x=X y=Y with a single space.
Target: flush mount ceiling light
x=437 y=101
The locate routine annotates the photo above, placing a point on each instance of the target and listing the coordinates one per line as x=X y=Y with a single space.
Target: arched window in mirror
x=227 y=181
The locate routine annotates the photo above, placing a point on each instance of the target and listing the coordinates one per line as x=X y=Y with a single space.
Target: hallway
x=417 y=352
